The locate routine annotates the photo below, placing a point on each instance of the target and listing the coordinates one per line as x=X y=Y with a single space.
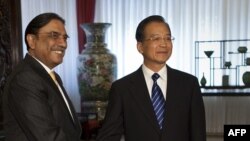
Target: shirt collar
x=162 y=72
x=44 y=66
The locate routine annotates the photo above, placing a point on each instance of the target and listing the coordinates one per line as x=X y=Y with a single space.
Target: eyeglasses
x=56 y=35
x=158 y=38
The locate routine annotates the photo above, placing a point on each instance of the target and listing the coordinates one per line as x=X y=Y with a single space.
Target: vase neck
x=95 y=32
x=95 y=48
x=96 y=38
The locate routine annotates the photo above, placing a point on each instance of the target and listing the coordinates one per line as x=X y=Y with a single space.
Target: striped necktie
x=158 y=100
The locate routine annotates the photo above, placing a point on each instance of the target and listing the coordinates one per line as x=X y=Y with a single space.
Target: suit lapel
x=171 y=92
x=44 y=74
x=141 y=96
x=75 y=121
x=40 y=70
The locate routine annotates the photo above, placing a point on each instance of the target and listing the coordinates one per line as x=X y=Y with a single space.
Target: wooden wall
x=10 y=42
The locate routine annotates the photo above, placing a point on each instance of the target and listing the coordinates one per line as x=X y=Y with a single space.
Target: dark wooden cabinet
x=10 y=43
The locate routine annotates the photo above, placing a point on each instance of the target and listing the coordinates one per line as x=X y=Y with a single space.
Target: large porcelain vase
x=97 y=69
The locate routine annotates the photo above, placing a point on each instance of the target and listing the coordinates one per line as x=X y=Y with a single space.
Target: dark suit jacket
x=34 y=109
x=130 y=111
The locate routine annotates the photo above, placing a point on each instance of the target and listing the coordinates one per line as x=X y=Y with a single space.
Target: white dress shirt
x=162 y=81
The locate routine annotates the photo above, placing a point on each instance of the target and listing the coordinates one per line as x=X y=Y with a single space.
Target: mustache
x=58 y=48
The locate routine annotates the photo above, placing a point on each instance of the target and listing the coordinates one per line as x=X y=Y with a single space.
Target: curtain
x=66 y=9
x=222 y=110
x=190 y=21
x=85 y=14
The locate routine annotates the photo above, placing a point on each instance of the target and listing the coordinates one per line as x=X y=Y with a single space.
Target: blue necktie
x=158 y=100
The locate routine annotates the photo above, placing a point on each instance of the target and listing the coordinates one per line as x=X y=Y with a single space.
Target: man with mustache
x=35 y=104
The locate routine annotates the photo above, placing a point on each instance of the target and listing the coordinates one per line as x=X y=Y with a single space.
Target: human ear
x=31 y=40
x=139 y=47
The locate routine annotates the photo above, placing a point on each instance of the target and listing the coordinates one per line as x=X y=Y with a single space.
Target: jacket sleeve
x=112 y=128
x=198 y=122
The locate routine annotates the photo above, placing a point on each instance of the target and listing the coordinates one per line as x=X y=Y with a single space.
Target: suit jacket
x=130 y=111
x=34 y=109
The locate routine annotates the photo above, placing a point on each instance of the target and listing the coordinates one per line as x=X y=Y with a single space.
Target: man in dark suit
x=130 y=111
x=36 y=107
